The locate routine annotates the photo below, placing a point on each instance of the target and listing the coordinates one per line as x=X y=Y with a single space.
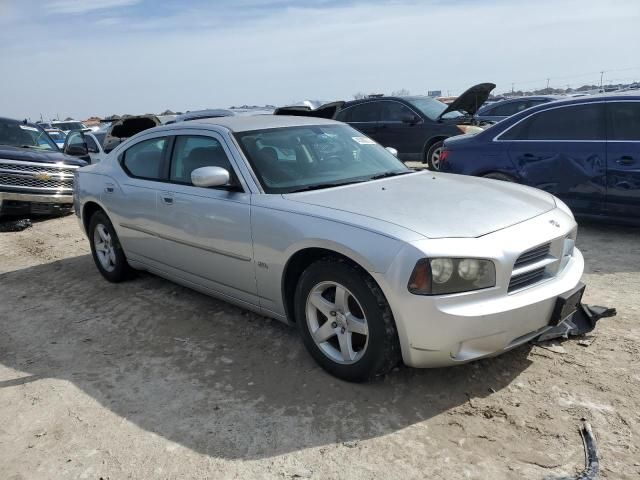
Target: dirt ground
x=149 y=380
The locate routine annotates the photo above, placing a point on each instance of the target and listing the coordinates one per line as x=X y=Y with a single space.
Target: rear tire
x=345 y=321
x=499 y=176
x=106 y=250
x=433 y=155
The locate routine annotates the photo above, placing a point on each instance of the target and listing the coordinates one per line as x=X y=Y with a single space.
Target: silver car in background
x=308 y=221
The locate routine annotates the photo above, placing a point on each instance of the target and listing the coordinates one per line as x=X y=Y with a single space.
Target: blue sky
x=84 y=57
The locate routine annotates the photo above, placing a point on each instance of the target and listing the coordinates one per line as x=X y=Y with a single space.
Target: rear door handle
x=626 y=160
x=109 y=188
x=529 y=155
x=167 y=200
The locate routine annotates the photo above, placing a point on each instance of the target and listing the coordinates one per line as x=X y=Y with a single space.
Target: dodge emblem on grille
x=43 y=176
x=554 y=223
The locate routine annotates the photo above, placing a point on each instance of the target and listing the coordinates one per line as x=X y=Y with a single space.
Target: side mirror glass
x=210 y=177
x=77 y=150
x=392 y=151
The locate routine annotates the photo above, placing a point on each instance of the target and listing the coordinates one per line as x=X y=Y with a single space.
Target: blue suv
x=585 y=150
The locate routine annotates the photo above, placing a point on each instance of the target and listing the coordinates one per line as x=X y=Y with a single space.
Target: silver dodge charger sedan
x=308 y=221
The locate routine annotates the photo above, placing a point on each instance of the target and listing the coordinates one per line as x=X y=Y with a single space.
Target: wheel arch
x=88 y=210
x=431 y=141
x=303 y=258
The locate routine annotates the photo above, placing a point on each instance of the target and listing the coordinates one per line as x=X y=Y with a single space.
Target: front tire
x=106 y=250
x=345 y=321
x=433 y=155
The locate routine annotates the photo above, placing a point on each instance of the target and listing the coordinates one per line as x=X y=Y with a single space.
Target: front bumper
x=15 y=203
x=437 y=331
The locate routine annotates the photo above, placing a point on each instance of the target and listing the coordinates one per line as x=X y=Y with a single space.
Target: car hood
x=31 y=155
x=471 y=100
x=436 y=205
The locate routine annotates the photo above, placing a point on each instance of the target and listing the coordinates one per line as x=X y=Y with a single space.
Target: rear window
x=577 y=122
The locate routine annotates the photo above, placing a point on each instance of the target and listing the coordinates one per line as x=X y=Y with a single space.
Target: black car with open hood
x=415 y=126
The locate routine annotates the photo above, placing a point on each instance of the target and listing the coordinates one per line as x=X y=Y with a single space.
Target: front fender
x=278 y=235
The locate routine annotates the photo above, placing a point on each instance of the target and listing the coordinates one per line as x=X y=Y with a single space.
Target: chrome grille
x=32 y=182
x=532 y=256
x=36 y=177
x=527 y=278
x=36 y=168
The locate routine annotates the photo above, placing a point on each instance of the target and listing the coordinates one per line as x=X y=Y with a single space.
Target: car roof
x=600 y=97
x=258 y=122
x=22 y=122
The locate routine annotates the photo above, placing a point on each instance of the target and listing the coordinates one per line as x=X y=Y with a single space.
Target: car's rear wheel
x=499 y=176
x=106 y=250
x=345 y=321
x=433 y=155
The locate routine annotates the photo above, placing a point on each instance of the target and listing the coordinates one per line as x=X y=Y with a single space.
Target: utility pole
x=548 y=83
x=513 y=87
x=601 y=75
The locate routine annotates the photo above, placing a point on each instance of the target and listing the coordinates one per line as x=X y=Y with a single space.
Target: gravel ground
x=147 y=379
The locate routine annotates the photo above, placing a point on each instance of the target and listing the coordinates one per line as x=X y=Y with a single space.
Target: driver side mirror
x=77 y=150
x=210 y=177
x=392 y=151
x=410 y=119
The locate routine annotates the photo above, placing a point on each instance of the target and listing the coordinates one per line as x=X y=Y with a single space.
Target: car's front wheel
x=106 y=250
x=345 y=321
x=433 y=155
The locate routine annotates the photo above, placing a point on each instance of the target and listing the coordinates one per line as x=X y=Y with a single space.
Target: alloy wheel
x=105 y=251
x=337 y=322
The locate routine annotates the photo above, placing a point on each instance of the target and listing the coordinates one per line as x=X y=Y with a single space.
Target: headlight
x=439 y=276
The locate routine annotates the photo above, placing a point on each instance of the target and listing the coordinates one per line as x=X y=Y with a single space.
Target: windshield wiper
x=320 y=186
x=390 y=174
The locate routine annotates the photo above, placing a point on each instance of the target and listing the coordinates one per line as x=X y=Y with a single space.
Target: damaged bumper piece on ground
x=582 y=321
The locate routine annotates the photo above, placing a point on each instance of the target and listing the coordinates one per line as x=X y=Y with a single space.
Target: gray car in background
x=498 y=111
x=312 y=223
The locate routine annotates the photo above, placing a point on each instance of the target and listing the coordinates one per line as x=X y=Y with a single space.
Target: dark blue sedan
x=585 y=150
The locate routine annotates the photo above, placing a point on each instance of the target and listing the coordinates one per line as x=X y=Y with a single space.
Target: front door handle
x=626 y=160
x=167 y=200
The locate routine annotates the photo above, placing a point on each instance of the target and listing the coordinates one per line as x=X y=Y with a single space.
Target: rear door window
x=623 y=120
x=146 y=159
x=574 y=123
x=363 y=112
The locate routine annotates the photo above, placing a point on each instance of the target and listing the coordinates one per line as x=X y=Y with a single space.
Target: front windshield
x=316 y=156
x=69 y=126
x=432 y=108
x=22 y=135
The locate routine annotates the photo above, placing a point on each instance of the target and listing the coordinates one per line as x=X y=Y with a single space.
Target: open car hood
x=328 y=110
x=127 y=127
x=471 y=100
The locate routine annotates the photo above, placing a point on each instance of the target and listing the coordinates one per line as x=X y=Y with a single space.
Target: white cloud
x=84 y=6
